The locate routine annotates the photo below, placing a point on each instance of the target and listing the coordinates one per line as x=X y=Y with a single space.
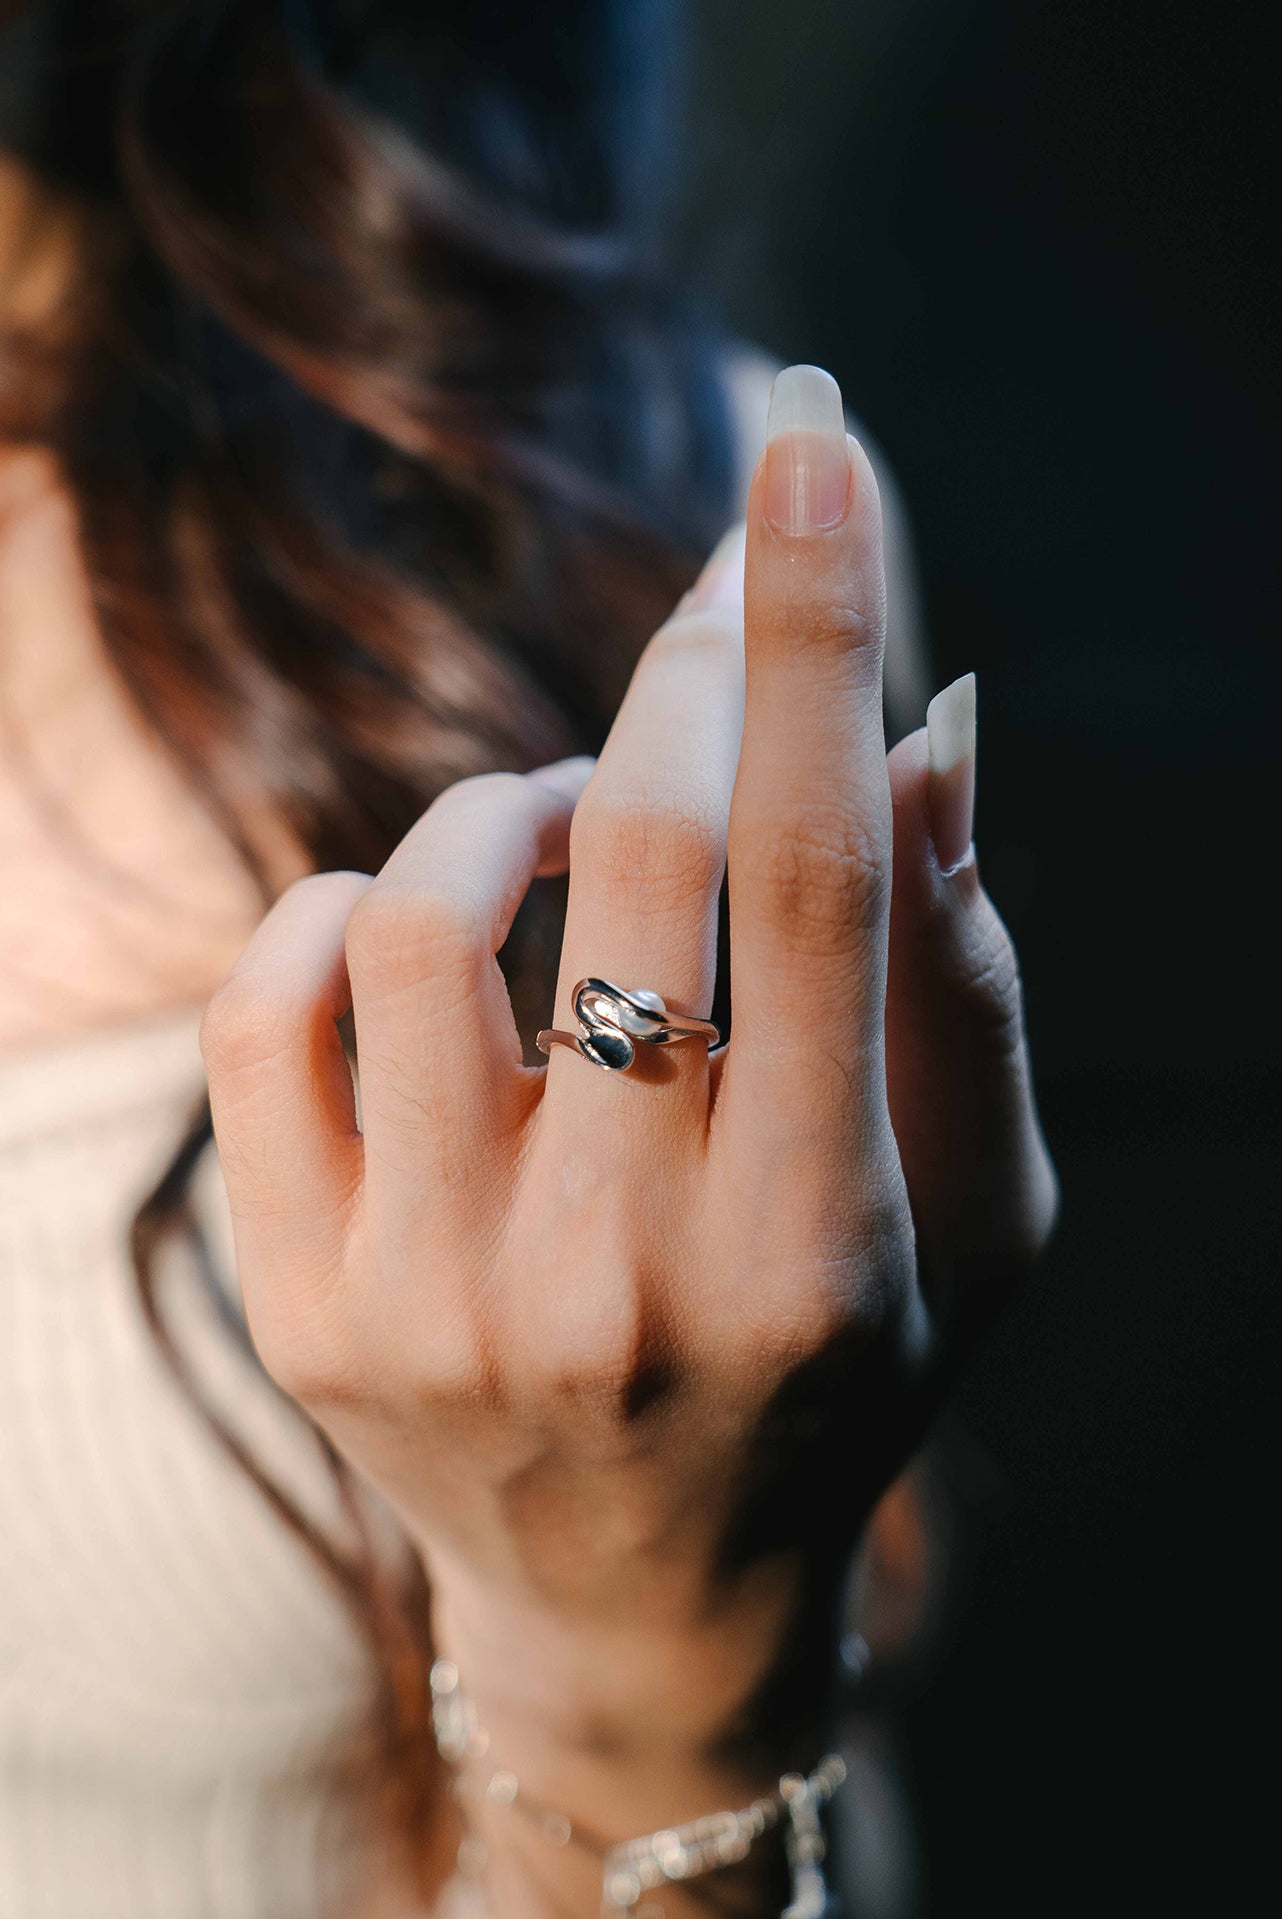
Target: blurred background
x=1030 y=241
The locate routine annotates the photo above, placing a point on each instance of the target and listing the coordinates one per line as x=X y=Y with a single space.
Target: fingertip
x=908 y=766
x=908 y=772
x=922 y=887
x=865 y=489
x=566 y=778
x=720 y=584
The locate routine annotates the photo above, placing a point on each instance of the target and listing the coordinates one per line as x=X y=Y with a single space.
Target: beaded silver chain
x=638 y=1866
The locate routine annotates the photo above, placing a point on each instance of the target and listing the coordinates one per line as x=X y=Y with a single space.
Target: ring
x=613 y=1021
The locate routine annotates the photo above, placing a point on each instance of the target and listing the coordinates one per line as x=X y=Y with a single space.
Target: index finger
x=810 y=823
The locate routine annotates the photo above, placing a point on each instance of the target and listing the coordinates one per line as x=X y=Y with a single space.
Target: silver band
x=613 y=1021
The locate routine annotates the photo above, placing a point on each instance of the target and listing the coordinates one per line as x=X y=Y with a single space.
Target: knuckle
x=247 y=1025
x=299 y=1369
x=847 y=631
x=806 y=1325
x=401 y=937
x=845 y=1278
x=989 y=985
x=631 y=839
x=259 y=1011
x=883 y=1267
x=310 y=1354
x=591 y=1365
x=452 y=1373
x=865 y=1291
x=820 y=875
x=602 y=1392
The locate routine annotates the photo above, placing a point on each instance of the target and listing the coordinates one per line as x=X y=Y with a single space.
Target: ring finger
x=647 y=848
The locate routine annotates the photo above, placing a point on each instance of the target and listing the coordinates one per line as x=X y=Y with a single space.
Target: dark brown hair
x=388 y=448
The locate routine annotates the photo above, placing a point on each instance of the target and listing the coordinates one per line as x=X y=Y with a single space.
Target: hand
x=632 y=1354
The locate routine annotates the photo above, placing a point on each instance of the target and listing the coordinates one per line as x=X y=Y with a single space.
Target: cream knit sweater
x=180 y=1691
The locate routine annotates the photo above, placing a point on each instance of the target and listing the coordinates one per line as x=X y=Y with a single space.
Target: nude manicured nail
x=721 y=582
x=807 y=461
x=950 y=740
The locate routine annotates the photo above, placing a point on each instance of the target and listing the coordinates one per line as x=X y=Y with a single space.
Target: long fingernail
x=566 y=777
x=721 y=581
x=807 y=461
x=950 y=740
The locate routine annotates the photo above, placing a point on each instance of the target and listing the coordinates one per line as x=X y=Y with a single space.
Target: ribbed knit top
x=181 y=1692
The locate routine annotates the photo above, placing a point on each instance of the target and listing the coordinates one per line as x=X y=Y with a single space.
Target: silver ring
x=613 y=1021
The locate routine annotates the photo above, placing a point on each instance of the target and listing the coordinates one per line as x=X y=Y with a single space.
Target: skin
x=119 y=896
x=547 y=1311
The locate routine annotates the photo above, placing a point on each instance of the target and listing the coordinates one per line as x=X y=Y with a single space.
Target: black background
x=1030 y=241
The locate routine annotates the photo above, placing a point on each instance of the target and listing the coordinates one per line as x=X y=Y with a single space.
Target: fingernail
x=566 y=777
x=721 y=582
x=950 y=741
x=807 y=461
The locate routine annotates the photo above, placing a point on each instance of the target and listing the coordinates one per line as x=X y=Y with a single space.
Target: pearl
x=634 y=1022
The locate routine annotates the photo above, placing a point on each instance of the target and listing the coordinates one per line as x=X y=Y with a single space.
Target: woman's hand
x=632 y=1354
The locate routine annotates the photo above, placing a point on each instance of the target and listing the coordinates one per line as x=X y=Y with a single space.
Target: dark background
x=1030 y=241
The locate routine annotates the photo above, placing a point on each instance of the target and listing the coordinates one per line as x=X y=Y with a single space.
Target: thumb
x=981 y=1183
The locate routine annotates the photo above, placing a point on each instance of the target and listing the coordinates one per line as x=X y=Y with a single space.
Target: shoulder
x=747 y=372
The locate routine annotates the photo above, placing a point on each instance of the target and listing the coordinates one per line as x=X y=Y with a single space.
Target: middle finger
x=810 y=829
